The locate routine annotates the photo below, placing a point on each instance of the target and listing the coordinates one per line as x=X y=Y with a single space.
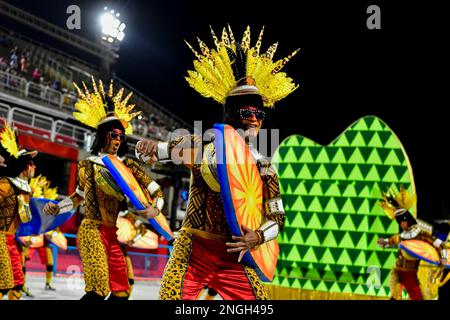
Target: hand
x=382 y=242
x=2 y=162
x=51 y=208
x=149 y=212
x=148 y=148
x=249 y=240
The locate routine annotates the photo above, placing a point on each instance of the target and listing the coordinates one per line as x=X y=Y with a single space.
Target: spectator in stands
x=56 y=85
x=14 y=61
x=24 y=65
x=36 y=76
x=3 y=63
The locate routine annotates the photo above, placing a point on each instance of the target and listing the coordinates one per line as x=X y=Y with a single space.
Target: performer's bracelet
x=65 y=205
x=260 y=237
x=269 y=230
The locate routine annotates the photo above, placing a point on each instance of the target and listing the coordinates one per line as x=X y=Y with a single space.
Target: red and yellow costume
x=103 y=262
x=14 y=209
x=404 y=274
x=231 y=71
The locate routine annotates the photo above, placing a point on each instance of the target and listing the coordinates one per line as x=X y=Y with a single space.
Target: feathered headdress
x=94 y=109
x=8 y=140
x=220 y=72
x=392 y=201
x=40 y=188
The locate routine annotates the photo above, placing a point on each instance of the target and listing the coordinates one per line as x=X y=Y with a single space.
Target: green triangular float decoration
x=330 y=195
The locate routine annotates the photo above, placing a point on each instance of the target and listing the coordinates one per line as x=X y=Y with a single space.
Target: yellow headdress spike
x=8 y=140
x=36 y=187
x=392 y=201
x=40 y=188
x=91 y=107
x=213 y=75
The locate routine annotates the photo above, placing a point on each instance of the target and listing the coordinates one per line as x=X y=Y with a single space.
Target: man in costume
x=14 y=208
x=404 y=272
x=205 y=253
x=103 y=261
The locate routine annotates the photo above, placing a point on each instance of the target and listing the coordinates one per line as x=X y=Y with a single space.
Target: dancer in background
x=103 y=262
x=15 y=195
x=404 y=274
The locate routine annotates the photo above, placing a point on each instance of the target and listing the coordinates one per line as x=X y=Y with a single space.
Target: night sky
x=345 y=70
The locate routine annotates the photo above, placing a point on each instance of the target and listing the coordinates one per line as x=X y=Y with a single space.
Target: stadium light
x=112 y=27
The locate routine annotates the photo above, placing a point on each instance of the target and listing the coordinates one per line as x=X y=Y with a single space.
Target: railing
x=80 y=135
x=46 y=127
x=4 y=110
x=58 y=131
x=12 y=84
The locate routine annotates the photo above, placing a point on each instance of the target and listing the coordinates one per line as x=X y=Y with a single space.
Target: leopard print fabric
x=93 y=257
x=8 y=203
x=258 y=287
x=6 y=274
x=176 y=268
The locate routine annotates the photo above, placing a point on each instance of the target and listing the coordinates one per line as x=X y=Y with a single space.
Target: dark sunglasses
x=247 y=114
x=114 y=135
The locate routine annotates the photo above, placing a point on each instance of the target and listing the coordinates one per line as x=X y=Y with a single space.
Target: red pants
x=16 y=260
x=408 y=279
x=211 y=265
x=104 y=265
x=118 y=275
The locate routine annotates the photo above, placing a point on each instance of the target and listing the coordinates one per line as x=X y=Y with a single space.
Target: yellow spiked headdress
x=40 y=188
x=93 y=109
x=8 y=140
x=392 y=202
x=234 y=68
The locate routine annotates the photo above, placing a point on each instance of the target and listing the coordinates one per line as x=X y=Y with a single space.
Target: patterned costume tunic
x=97 y=240
x=11 y=190
x=205 y=219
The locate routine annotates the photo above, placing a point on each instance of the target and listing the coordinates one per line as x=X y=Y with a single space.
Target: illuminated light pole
x=112 y=32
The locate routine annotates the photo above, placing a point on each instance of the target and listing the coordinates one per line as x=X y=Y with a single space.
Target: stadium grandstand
x=37 y=96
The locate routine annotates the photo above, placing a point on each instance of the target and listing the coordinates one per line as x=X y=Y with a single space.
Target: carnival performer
x=14 y=208
x=404 y=273
x=205 y=253
x=40 y=188
x=103 y=263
